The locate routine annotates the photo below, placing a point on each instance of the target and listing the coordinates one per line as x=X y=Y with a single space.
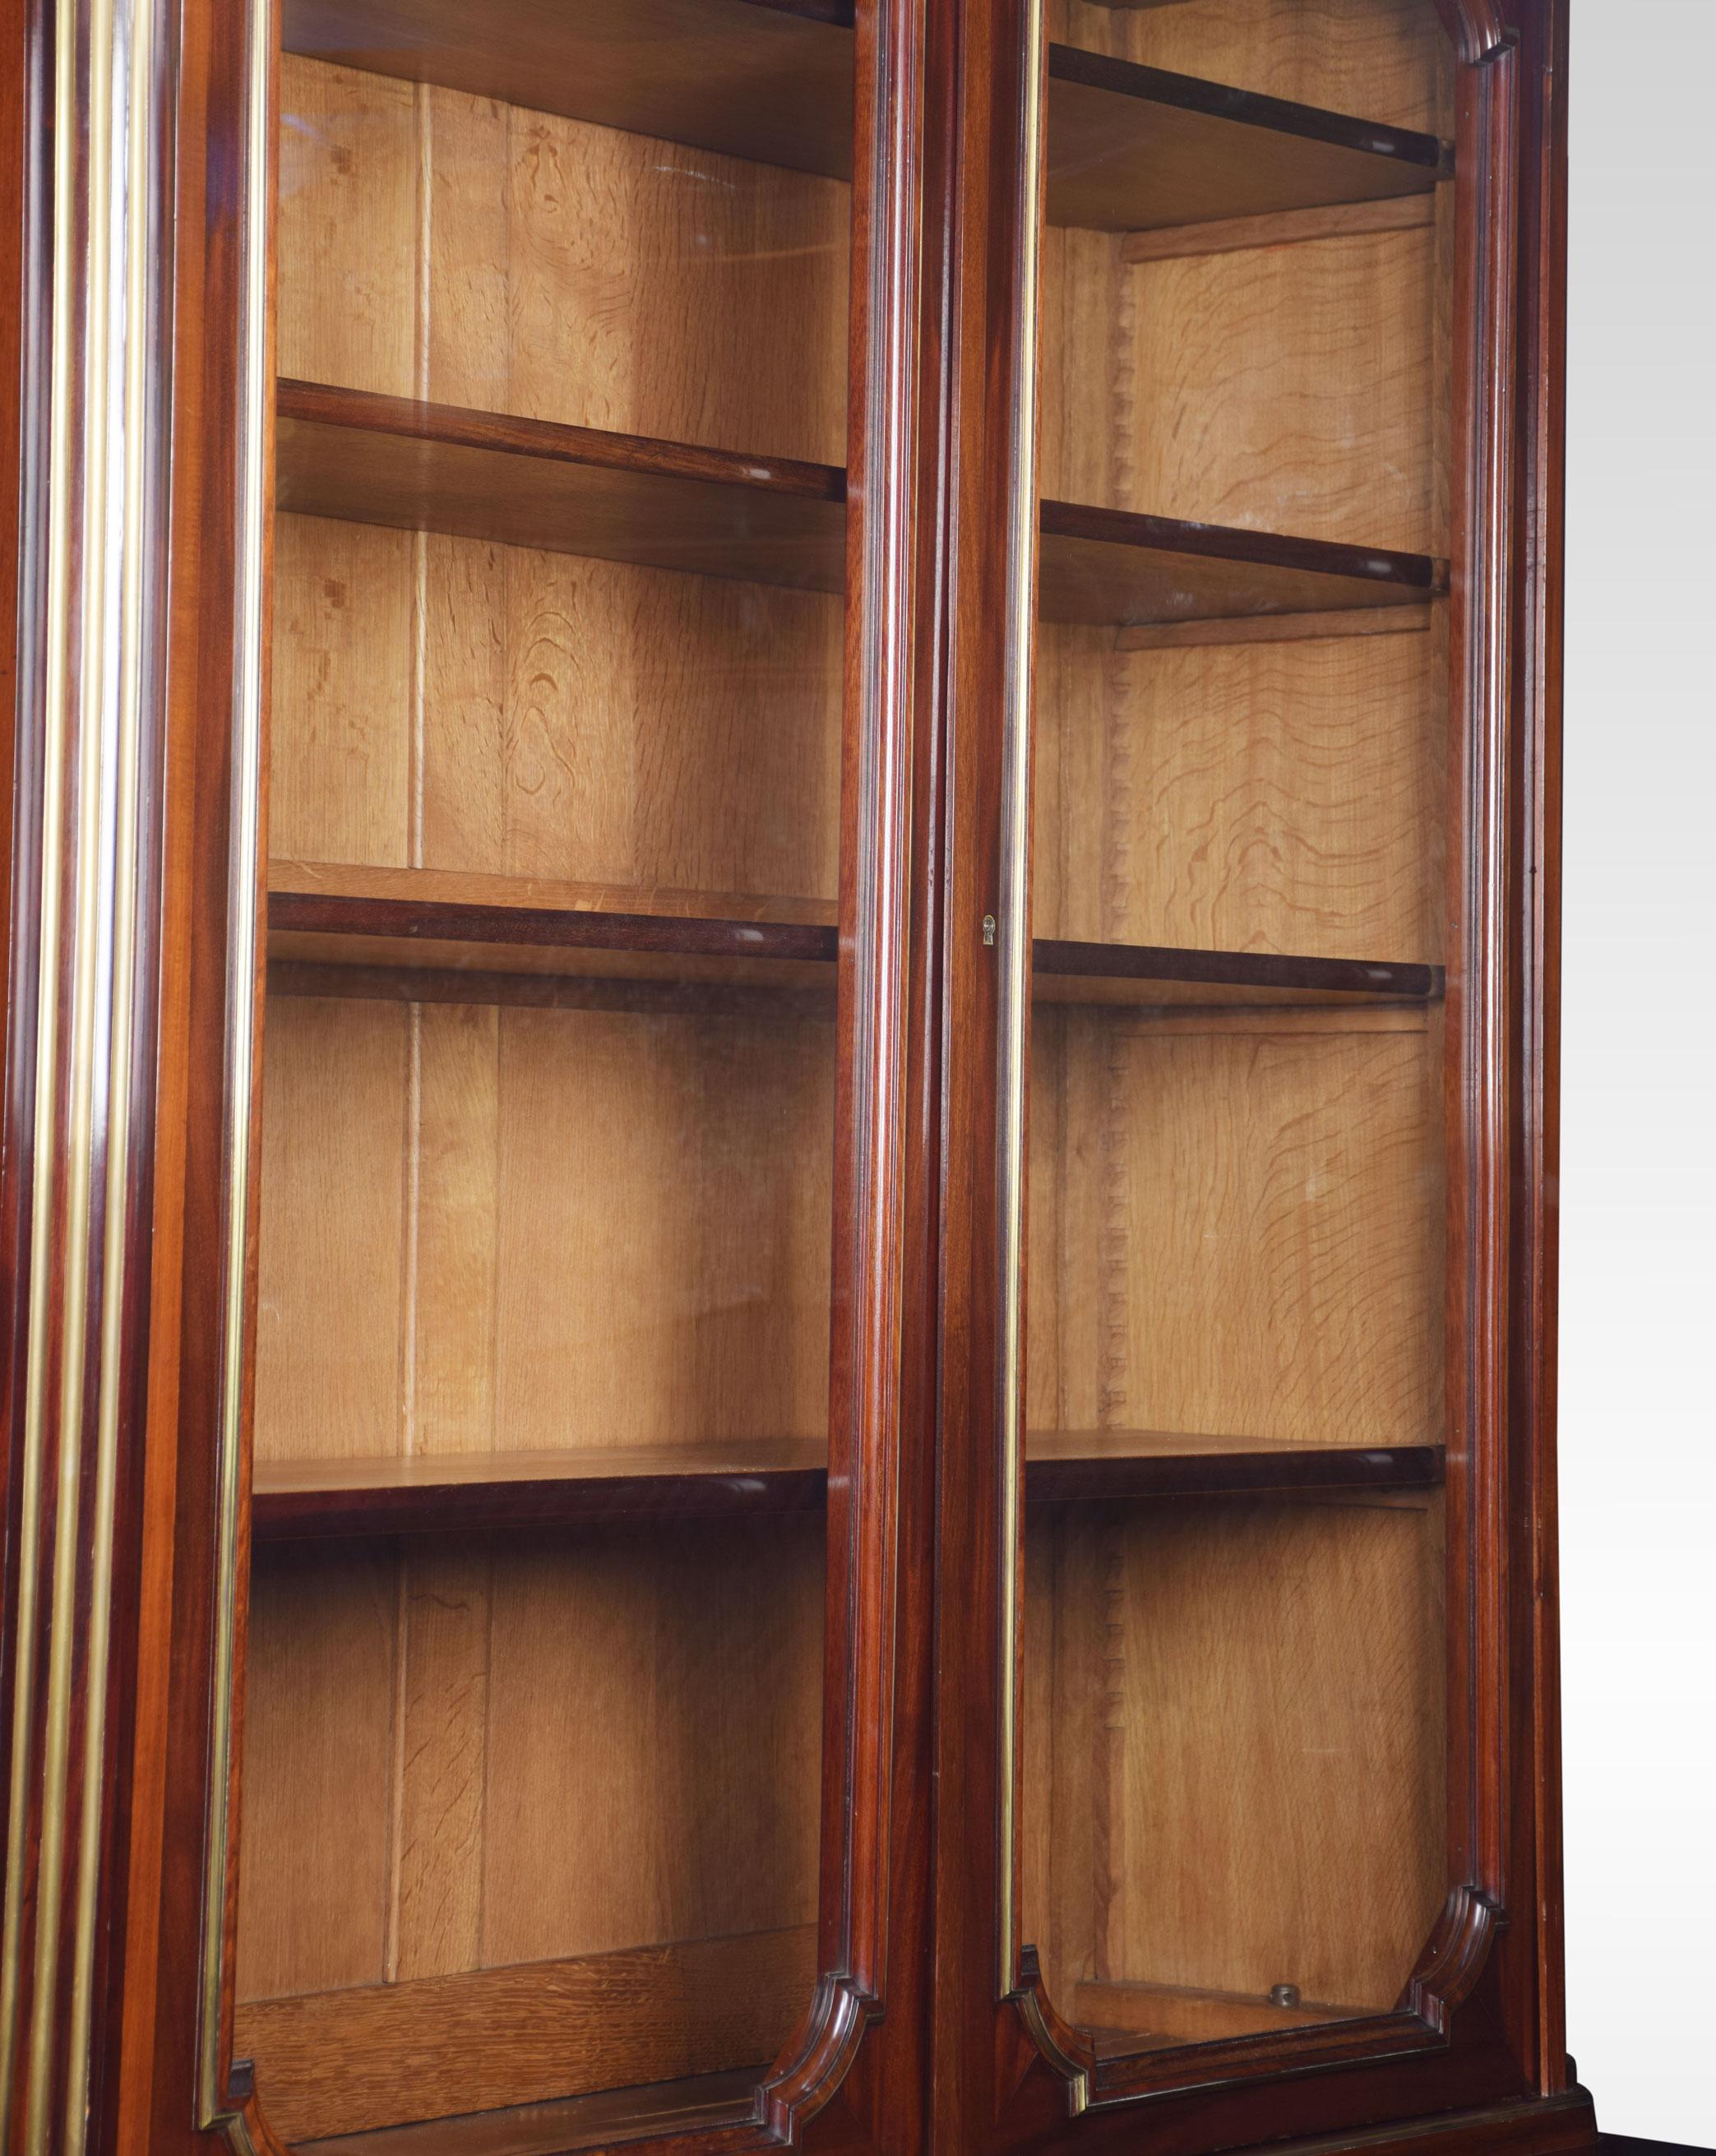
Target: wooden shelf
x=1125 y=2017
x=1103 y=566
x=1139 y=975
x=391 y=461
x=431 y=936
x=1131 y=148
x=436 y=936
x=1135 y=149
x=1080 y=1466
x=469 y=1492
x=296 y=1500
x=766 y=80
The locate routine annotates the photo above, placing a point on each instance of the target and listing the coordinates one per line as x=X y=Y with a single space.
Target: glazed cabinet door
x=1245 y=1442
x=526 y=1675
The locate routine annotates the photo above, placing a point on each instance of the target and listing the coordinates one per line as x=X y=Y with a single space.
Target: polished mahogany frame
x=131 y=1068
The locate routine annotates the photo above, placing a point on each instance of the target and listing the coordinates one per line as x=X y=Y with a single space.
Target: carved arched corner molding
x=1478 y=28
x=1061 y=2045
x=244 y=2129
x=1455 y=1957
x=820 y=2056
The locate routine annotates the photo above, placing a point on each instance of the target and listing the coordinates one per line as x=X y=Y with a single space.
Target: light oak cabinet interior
x=532 y=1810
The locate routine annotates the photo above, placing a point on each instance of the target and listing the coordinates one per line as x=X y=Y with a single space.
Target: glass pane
x=1233 y=1722
x=534 y=1714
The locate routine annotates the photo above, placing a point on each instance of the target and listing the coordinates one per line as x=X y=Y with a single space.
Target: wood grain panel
x=332 y=1299
x=521 y=1195
x=665 y=1229
x=345 y=697
x=1249 y=1230
x=574 y=720
x=446 y=1623
x=315 y=1902
x=349 y=258
x=1378 y=59
x=347 y=2062
x=437 y=245
x=697 y=1654
x=1288 y=228
x=455 y=1192
x=1247 y=1738
x=1278 y=797
x=1288 y=390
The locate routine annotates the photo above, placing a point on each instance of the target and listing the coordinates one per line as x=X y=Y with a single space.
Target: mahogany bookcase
x=780 y=1117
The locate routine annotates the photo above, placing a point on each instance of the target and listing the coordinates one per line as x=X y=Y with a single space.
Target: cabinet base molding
x=383 y=2055
x=705 y=2100
x=1563 y=2125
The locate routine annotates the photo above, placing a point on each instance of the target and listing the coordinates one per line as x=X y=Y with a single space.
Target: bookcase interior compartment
x=1293 y=383
x=1233 y=1761
x=494 y=1229
x=448 y=703
x=1245 y=796
x=438 y=244
x=1236 y=1225
x=1285 y=388
x=526 y=1816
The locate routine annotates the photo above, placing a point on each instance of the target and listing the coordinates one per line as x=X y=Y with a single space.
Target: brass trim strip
x=1013 y=908
x=56 y=649
x=249 y=659
x=94 y=683
x=137 y=345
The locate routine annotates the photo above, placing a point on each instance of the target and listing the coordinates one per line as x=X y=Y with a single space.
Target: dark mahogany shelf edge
x=556 y=1501
x=1251 y=108
x=450 y=1507
x=369 y=412
x=1236 y=969
x=1195 y=94
x=548 y=441
x=1278 y=1471
x=840 y=14
x=1420 y=576
x=443 y=921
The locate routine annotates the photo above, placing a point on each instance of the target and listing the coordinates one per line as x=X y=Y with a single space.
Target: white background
x=1638 y=1302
